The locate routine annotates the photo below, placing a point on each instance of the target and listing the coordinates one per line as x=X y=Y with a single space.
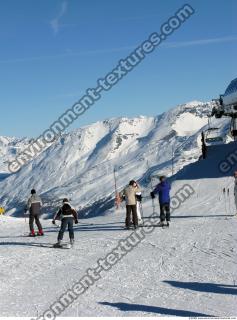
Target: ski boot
x=58 y=244
x=161 y=224
x=72 y=242
x=32 y=234
x=40 y=233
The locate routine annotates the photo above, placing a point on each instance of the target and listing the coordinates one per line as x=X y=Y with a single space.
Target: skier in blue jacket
x=163 y=190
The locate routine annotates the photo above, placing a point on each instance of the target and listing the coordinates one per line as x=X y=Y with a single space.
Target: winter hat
x=65 y=200
x=33 y=191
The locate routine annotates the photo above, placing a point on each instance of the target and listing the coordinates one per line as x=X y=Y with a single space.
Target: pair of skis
x=151 y=187
x=117 y=196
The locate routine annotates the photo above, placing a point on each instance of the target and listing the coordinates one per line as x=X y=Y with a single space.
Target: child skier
x=68 y=215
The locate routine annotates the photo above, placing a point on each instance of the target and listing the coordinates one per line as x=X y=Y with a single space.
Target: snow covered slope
x=186 y=270
x=80 y=164
x=9 y=148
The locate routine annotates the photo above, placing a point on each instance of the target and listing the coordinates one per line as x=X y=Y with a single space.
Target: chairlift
x=213 y=136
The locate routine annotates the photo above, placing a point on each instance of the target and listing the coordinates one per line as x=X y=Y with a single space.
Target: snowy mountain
x=80 y=164
x=188 y=270
x=9 y=148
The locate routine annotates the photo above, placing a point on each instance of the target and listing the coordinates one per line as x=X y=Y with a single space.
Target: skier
x=131 y=203
x=139 y=207
x=67 y=214
x=163 y=190
x=235 y=189
x=34 y=205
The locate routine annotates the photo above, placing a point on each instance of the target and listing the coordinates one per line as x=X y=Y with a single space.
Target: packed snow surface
x=189 y=269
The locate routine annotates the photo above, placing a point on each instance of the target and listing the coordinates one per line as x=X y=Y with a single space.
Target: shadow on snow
x=204 y=287
x=152 y=309
x=28 y=244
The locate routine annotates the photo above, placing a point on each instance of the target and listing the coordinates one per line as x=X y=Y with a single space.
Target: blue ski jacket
x=163 y=190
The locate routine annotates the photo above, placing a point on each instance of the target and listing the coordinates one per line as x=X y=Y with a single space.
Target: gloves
x=152 y=195
x=76 y=221
x=53 y=222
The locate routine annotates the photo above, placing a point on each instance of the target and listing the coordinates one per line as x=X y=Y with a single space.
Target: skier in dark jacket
x=163 y=190
x=68 y=215
x=34 y=205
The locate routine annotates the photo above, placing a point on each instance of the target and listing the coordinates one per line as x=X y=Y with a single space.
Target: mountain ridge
x=80 y=164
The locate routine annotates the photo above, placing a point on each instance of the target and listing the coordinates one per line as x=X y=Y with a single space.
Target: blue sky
x=52 y=51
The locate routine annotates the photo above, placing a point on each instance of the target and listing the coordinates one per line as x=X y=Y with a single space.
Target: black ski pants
x=32 y=219
x=131 y=209
x=164 y=212
x=66 y=223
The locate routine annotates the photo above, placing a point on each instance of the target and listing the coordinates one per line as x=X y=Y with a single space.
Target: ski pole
x=153 y=206
x=117 y=198
x=224 y=193
x=25 y=224
x=141 y=209
x=151 y=185
x=56 y=225
x=228 y=193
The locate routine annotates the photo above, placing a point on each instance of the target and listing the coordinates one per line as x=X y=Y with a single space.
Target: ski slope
x=189 y=269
